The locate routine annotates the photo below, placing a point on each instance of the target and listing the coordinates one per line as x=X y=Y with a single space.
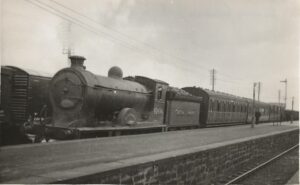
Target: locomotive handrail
x=74 y=97
x=146 y=93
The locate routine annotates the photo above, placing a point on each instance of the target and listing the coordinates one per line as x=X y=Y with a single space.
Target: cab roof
x=29 y=71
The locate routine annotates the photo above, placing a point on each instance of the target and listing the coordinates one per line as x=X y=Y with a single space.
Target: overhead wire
x=91 y=29
x=159 y=50
x=131 y=38
x=125 y=43
x=79 y=23
x=111 y=37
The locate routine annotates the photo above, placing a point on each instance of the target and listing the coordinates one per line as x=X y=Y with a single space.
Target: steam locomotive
x=83 y=102
x=86 y=104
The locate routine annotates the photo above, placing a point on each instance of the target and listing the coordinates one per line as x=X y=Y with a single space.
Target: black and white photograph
x=149 y=92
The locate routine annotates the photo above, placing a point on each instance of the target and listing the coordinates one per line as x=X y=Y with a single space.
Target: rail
x=253 y=170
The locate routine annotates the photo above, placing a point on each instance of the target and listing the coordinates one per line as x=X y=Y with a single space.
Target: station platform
x=58 y=161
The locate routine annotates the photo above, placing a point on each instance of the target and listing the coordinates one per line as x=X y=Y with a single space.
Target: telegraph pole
x=293 y=103
x=253 y=106
x=279 y=106
x=292 y=109
x=258 y=94
x=66 y=36
x=68 y=52
x=279 y=97
x=213 y=78
x=285 y=94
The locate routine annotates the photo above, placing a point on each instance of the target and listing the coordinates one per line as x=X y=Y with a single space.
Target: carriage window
x=215 y=105
x=227 y=107
x=159 y=93
x=221 y=106
x=218 y=106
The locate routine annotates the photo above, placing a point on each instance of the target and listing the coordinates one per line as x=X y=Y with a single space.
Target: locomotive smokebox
x=77 y=61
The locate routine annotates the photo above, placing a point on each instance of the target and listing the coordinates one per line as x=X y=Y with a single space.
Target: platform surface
x=49 y=162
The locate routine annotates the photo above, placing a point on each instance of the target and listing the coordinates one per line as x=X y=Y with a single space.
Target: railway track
x=276 y=170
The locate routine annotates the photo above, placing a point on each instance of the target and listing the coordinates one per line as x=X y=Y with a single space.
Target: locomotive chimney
x=77 y=61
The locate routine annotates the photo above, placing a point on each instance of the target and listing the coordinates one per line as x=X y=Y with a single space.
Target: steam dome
x=115 y=72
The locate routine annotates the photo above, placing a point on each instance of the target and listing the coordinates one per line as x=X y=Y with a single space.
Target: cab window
x=159 y=93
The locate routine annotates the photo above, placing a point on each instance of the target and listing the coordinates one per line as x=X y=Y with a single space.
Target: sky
x=176 y=41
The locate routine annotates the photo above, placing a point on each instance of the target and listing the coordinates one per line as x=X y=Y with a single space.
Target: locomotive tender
x=24 y=94
x=82 y=101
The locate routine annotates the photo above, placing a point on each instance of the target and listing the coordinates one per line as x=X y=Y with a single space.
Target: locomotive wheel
x=127 y=116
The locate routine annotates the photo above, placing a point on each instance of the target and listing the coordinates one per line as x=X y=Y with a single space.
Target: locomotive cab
x=156 y=105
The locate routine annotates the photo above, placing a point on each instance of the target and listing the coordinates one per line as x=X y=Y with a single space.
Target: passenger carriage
x=275 y=109
x=219 y=108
